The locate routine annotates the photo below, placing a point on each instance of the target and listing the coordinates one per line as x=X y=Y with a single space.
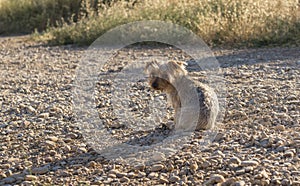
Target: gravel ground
x=258 y=142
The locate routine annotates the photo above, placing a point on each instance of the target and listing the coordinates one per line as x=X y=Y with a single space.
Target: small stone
x=170 y=167
x=27 y=163
x=82 y=150
x=235 y=160
x=265 y=182
x=240 y=183
x=229 y=181
x=264 y=174
x=30 y=178
x=131 y=175
x=163 y=180
x=8 y=173
x=72 y=136
x=158 y=157
x=31 y=109
x=219 y=137
x=139 y=166
x=52 y=138
x=112 y=175
x=121 y=174
x=280 y=127
x=48 y=159
x=50 y=144
x=194 y=166
x=63 y=173
x=9 y=180
x=205 y=164
x=27 y=183
x=240 y=172
x=44 y=115
x=3 y=126
x=152 y=175
x=249 y=163
x=26 y=123
x=288 y=154
x=180 y=161
x=174 y=179
x=67 y=148
x=141 y=175
x=157 y=167
x=92 y=164
x=40 y=170
x=52 y=152
x=286 y=182
x=5 y=166
x=124 y=180
x=296 y=183
x=248 y=169
x=216 y=178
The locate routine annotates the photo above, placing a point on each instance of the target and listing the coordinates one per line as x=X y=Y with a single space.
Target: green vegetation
x=218 y=22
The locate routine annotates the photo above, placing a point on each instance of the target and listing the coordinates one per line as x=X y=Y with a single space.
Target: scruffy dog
x=196 y=105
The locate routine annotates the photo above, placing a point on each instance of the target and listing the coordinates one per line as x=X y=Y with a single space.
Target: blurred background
x=218 y=22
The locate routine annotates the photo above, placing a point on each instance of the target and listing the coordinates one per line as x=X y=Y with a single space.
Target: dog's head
x=163 y=75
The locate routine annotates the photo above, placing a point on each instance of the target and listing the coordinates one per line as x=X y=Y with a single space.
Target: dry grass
x=25 y=16
x=218 y=22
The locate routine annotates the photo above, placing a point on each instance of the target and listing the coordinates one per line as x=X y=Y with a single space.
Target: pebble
x=163 y=180
x=152 y=175
x=9 y=180
x=280 y=127
x=131 y=174
x=249 y=163
x=219 y=137
x=194 y=166
x=50 y=144
x=157 y=167
x=30 y=178
x=288 y=154
x=82 y=150
x=92 y=164
x=49 y=159
x=286 y=182
x=141 y=174
x=158 y=157
x=235 y=160
x=52 y=138
x=124 y=180
x=216 y=178
x=44 y=115
x=240 y=172
x=40 y=170
x=205 y=164
x=240 y=183
x=174 y=179
x=121 y=174
x=140 y=166
x=31 y=109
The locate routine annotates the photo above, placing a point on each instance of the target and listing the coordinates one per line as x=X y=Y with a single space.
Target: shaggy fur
x=195 y=104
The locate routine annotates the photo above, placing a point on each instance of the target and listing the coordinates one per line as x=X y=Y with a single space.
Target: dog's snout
x=155 y=84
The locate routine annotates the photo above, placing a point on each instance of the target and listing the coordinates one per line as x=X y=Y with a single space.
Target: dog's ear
x=181 y=63
x=178 y=66
x=151 y=64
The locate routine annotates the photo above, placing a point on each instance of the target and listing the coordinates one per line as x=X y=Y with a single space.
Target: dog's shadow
x=151 y=137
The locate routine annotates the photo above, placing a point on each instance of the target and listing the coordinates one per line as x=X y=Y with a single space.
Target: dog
x=196 y=104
